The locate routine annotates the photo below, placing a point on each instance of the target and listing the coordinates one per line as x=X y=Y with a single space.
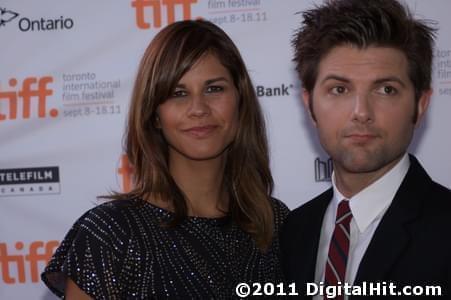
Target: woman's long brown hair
x=247 y=177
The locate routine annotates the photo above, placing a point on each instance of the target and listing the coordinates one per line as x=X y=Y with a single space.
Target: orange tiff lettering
x=156 y=6
x=23 y=261
x=126 y=171
x=32 y=88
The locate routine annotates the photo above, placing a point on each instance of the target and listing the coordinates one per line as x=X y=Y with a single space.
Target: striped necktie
x=339 y=247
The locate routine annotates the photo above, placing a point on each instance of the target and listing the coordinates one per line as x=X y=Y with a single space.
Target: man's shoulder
x=441 y=192
x=302 y=224
x=440 y=189
x=313 y=208
x=435 y=194
x=438 y=204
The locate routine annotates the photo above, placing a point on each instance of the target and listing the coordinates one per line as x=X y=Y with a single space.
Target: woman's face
x=200 y=119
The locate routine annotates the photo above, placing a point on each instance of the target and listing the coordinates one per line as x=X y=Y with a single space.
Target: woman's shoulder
x=108 y=223
x=115 y=208
x=94 y=247
x=104 y=214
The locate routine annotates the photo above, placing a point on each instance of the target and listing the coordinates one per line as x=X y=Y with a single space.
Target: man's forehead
x=359 y=63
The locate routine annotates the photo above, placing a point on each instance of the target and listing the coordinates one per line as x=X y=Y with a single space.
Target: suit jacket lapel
x=393 y=233
x=312 y=232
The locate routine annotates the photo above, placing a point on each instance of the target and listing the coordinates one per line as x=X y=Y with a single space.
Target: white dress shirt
x=367 y=207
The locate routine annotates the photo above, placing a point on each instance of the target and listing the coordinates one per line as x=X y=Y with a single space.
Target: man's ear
x=422 y=105
x=306 y=99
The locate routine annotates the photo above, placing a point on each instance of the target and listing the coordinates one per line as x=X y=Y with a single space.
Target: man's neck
x=350 y=183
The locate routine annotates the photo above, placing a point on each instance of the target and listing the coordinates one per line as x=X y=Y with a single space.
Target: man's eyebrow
x=377 y=81
x=335 y=77
x=390 y=79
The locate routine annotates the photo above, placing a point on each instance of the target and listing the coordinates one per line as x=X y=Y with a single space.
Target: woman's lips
x=200 y=131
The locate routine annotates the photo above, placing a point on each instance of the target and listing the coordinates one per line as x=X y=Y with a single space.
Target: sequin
x=119 y=250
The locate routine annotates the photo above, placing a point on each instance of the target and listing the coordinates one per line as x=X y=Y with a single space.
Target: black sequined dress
x=119 y=250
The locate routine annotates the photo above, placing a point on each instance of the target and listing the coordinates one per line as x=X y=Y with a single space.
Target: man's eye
x=338 y=90
x=387 y=90
x=214 y=89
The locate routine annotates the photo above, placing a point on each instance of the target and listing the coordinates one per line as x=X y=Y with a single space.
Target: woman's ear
x=156 y=121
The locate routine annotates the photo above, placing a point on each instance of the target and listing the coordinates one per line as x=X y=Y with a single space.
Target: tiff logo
x=126 y=171
x=142 y=6
x=323 y=170
x=32 y=89
x=25 y=258
x=7 y=16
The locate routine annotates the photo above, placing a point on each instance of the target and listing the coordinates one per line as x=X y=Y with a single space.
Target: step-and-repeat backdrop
x=66 y=73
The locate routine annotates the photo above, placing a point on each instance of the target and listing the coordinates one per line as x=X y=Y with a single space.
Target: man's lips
x=200 y=131
x=361 y=137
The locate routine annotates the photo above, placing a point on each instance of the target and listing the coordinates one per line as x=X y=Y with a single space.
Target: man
x=366 y=73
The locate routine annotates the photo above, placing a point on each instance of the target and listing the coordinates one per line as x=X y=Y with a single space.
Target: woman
x=200 y=218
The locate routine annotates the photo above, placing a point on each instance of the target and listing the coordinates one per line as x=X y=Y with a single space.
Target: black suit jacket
x=411 y=245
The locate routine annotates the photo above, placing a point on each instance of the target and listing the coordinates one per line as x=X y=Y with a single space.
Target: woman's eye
x=214 y=89
x=179 y=93
x=338 y=90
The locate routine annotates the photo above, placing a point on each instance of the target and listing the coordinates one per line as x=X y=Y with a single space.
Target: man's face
x=364 y=106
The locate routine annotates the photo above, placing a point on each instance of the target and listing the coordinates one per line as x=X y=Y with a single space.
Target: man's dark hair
x=385 y=23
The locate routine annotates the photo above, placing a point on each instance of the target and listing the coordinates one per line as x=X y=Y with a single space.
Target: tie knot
x=344 y=214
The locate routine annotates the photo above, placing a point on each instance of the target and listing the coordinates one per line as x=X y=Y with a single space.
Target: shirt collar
x=370 y=203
